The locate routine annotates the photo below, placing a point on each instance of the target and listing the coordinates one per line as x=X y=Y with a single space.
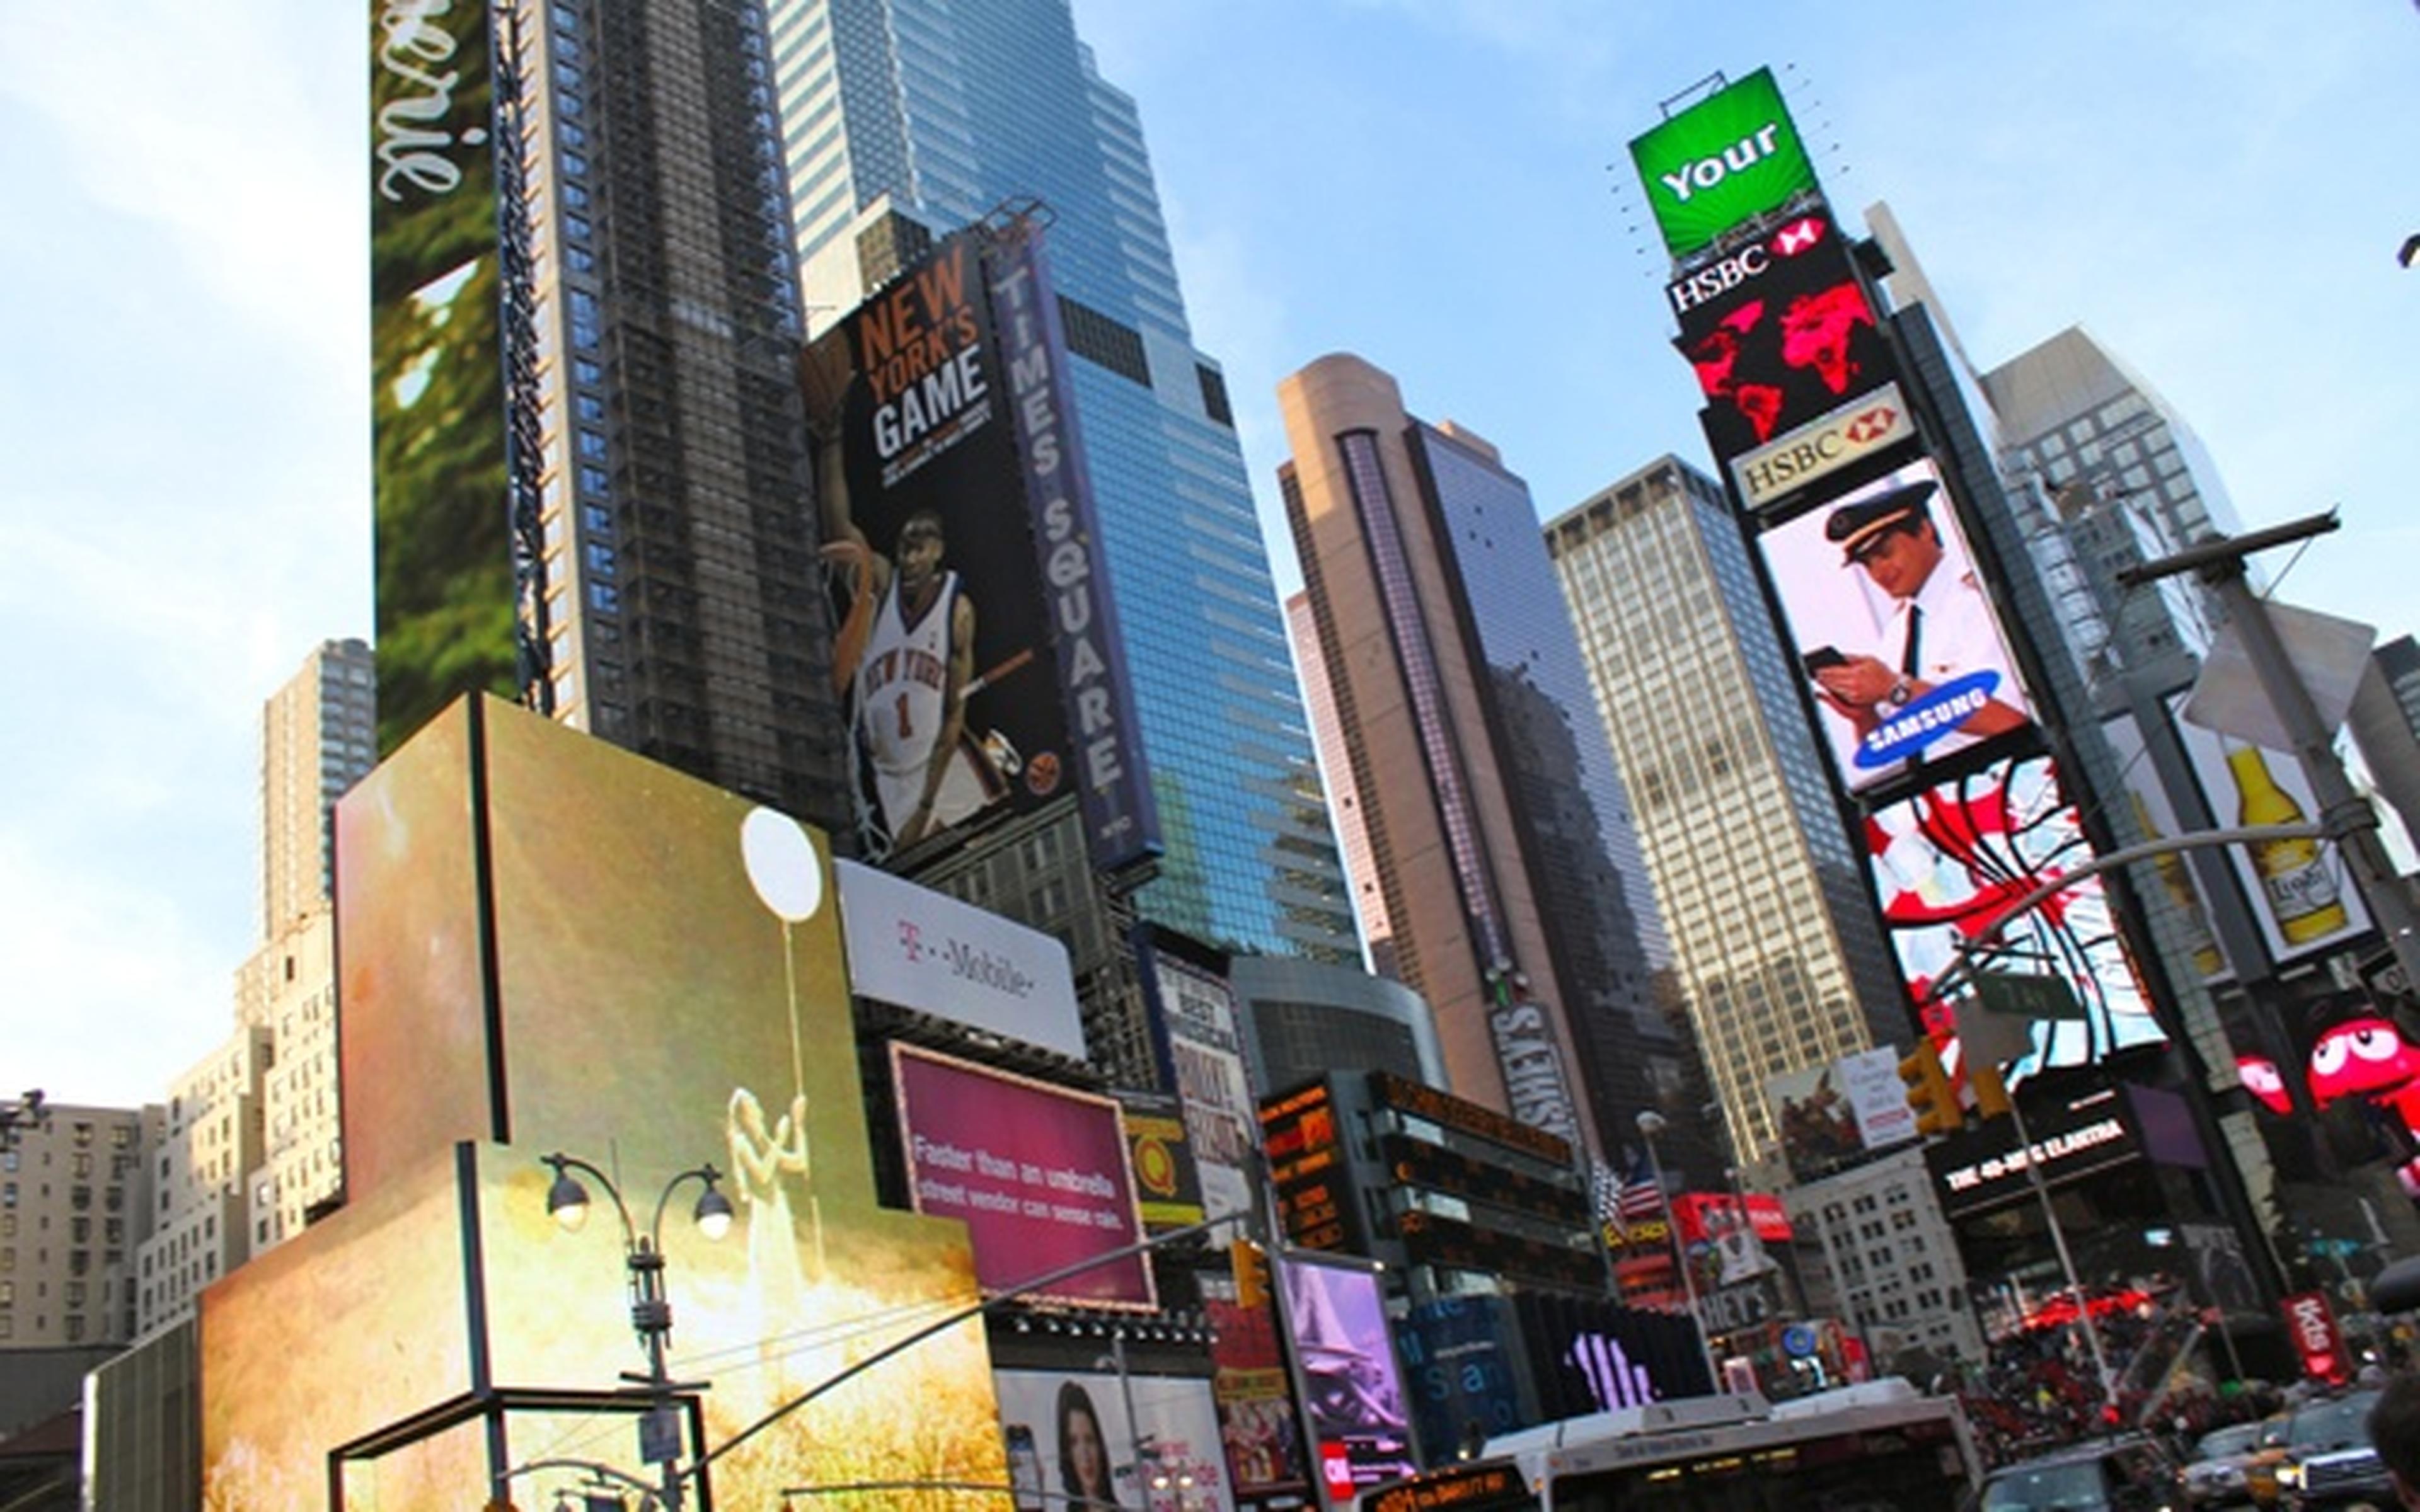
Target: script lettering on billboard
x=413 y=142
x=1823 y=446
x=1116 y=795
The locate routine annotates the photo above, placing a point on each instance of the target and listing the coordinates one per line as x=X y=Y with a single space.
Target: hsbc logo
x=1858 y=430
x=1728 y=274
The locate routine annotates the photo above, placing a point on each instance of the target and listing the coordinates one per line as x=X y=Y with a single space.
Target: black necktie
x=1909 y=662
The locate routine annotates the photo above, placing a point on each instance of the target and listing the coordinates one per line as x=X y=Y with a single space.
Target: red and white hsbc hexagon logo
x=2313 y=1325
x=1729 y=272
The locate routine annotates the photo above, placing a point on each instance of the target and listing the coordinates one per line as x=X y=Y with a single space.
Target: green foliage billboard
x=1731 y=157
x=444 y=596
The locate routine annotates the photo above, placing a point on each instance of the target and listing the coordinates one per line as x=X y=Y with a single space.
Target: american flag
x=1642 y=1195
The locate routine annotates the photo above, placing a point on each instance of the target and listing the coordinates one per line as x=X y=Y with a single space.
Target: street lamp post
x=1651 y=1123
x=651 y=1309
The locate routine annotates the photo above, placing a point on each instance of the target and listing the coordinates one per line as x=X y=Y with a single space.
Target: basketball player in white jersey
x=905 y=668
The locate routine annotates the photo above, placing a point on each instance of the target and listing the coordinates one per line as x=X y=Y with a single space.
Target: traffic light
x=1929 y=1092
x=1252 y=1270
x=1990 y=1092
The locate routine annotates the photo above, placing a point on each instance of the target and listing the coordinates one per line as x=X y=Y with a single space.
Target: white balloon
x=782 y=864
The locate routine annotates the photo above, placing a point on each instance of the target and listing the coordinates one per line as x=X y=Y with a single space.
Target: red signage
x=2313 y=1325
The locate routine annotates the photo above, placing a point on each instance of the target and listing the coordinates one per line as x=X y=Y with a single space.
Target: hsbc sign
x=1872 y=425
x=1725 y=274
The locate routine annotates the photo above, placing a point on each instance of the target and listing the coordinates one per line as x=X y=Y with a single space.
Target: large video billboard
x=1354 y=1393
x=977 y=649
x=2157 y=817
x=1889 y=623
x=1780 y=334
x=1953 y=859
x=924 y=949
x=1037 y=1172
x=1729 y=158
x=1833 y=1114
x=551 y=944
x=444 y=561
x=1090 y=1438
x=2303 y=899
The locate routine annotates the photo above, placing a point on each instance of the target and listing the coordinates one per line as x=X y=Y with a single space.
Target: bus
x=1879 y=1446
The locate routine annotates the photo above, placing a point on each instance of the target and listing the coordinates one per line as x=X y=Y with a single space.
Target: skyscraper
x=1779 y=955
x=592 y=468
x=904 y=119
x=1499 y=837
x=318 y=736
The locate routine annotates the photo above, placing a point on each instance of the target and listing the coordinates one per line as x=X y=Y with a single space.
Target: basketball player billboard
x=959 y=684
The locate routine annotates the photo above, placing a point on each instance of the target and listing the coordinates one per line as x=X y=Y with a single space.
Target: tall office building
x=318 y=736
x=593 y=473
x=1778 y=951
x=1500 y=839
x=904 y=119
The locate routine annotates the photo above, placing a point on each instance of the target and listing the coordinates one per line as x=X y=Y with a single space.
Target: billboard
x=1120 y=817
x=1731 y=157
x=1168 y=1186
x=1590 y=1354
x=926 y=950
x=2157 y=818
x=1463 y=1372
x=1037 y=1172
x=1889 y=623
x=1780 y=335
x=551 y=944
x=944 y=655
x=1096 y=1440
x=1354 y=1393
x=1830 y=1115
x=1256 y=1417
x=1200 y=1029
x=1949 y=861
x=2304 y=901
x=439 y=473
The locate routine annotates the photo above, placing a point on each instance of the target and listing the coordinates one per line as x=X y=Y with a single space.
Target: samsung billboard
x=1902 y=652
x=1730 y=157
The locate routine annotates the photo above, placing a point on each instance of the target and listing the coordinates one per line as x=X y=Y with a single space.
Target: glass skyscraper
x=904 y=119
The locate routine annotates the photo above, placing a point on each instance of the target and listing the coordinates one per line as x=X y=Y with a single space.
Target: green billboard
x=1731 y=157
x=444 y=563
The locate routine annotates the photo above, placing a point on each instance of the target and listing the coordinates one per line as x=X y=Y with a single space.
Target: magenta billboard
x=1038 y=1174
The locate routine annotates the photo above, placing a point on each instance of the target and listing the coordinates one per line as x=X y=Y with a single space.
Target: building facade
x=904 y=119
x=318 y=736
x=1500 y=839
x=1896 y=1277
x=74 y=1201
x=209 y=1144
x=1305 y=1019
x=1779 y=955
x=667 y=594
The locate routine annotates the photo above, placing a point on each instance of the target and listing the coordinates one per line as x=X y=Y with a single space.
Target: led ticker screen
x=1316 y=1204
x=1888 y=623
x=1951 y=860
x=1779 y=334
x=1729 y=158
x=1037 y=1172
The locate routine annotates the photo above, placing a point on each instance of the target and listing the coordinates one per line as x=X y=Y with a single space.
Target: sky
x=2215 y=189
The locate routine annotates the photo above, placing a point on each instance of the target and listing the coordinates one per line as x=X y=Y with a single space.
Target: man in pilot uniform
x=1940 y=628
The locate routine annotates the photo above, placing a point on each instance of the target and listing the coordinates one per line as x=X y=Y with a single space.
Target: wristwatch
x=1901 y=692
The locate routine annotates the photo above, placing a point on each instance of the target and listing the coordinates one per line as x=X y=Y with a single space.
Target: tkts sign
x=1872 y=425
x=2313 y=1326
